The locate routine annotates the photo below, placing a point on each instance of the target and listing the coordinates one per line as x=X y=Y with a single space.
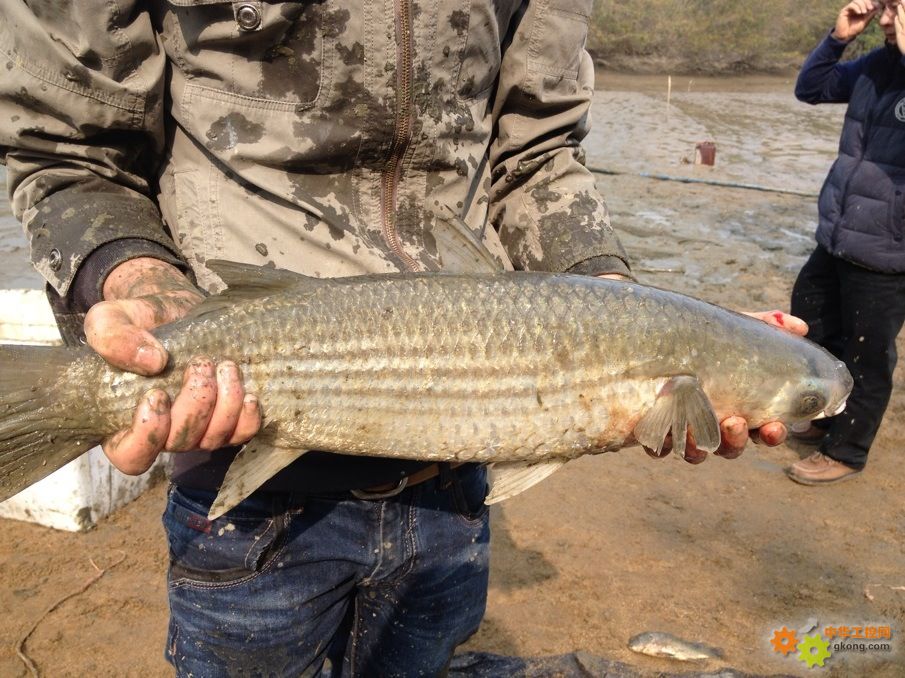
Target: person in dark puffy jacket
x=851 y=291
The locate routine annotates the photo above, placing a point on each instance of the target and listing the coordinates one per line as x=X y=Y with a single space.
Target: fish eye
x=811 y=402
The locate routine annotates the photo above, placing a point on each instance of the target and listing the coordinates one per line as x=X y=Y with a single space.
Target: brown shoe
x=819 y=469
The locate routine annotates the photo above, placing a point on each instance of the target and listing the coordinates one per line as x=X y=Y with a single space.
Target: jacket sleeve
x=543 y=202
x=824 y=80
x=81 y=130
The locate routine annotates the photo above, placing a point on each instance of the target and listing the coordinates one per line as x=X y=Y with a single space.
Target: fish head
x=811 y=384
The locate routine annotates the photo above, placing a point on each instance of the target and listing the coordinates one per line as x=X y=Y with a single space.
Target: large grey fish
x=522 y=370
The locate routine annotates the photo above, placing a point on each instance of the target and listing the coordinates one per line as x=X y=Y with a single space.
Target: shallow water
x=15 y=269
x=763 y=136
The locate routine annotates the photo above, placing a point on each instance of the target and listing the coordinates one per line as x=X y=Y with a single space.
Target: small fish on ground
x=666 y=645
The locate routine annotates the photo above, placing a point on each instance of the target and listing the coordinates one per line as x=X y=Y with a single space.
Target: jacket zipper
x=402 y=131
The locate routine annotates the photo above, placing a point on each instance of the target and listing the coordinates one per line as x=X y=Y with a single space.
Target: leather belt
x=388 y=490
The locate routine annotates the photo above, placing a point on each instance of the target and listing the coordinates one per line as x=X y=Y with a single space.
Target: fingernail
x=150 y=356
x=203 y=366
x=251 y=400
x=227 y=370
x=159 y=402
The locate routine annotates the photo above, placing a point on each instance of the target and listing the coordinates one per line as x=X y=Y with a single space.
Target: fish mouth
x=844 y=379
x=831 y=412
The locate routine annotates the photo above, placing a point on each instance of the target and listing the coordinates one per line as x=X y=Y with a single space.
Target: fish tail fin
x=38 y=432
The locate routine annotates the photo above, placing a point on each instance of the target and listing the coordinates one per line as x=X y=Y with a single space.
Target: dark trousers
x=855 y=314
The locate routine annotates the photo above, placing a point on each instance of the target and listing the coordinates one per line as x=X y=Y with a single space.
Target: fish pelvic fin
x=257 y=462
x=680 y=406
x=510 y=478
x=38 y=433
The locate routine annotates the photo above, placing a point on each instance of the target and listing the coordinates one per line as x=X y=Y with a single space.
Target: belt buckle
x=371 y=496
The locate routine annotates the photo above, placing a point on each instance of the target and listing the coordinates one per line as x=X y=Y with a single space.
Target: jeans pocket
x=229 y=550
x=469 y=489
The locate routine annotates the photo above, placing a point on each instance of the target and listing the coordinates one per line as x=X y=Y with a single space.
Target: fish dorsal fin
x=460 y=251
x=681 y=405
x=259 y=460
x=261 y=280
x=510 y=478
x=246 y=282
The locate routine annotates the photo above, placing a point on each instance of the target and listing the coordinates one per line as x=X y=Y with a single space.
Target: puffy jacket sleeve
x=824 y=79
x=81 y=130
x=544 y=205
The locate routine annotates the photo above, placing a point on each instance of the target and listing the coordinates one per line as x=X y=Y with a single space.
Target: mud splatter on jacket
x=317 y=136
x=325 y=137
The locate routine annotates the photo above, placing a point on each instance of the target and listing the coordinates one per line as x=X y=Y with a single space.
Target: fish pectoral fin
x=510 y=478
x=682 y=404
x=256 y=463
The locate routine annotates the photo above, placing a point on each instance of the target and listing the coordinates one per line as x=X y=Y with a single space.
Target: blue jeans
x=292 y=586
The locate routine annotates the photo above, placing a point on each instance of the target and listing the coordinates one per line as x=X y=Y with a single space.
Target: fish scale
x=355 y=367
x=497 y=367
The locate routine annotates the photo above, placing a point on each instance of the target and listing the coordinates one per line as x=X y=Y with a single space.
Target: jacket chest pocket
x=276 y=54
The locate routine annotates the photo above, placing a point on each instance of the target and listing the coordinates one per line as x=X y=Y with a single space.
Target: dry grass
x=714 y=36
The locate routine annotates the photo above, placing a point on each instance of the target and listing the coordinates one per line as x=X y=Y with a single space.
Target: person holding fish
x=144 y=139
x=851 y=291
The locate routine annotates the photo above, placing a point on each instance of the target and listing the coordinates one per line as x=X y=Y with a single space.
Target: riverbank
x=718 y=37
x=646 y=65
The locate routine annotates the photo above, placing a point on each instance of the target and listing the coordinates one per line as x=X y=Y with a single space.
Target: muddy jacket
x=322 y=137
x=862 y=203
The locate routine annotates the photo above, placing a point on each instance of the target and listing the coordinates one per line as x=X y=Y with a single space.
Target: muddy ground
x=611 y=546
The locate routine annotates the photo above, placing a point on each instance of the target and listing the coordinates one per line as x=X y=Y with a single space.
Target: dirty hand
x=211 y=410
x=734 y=430
x=854 y=18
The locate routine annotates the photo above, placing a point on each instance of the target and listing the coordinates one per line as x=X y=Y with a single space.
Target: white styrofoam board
x=76 y=496
x=26 y=318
